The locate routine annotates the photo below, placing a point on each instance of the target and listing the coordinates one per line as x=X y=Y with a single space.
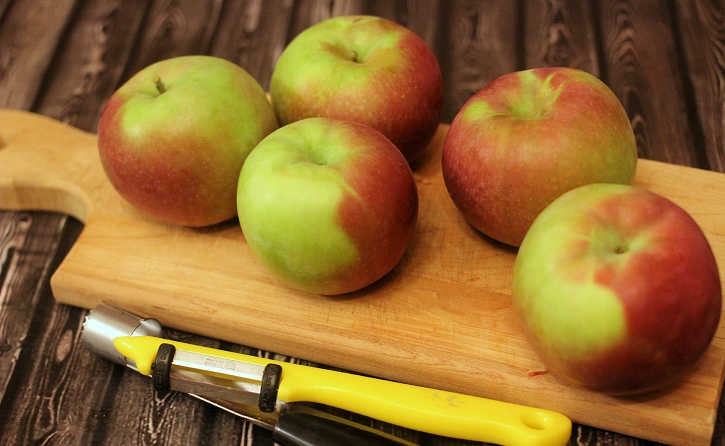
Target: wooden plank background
x=664 y=59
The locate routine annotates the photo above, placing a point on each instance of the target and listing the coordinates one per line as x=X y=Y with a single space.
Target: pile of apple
x=327 y=199
x=616 y=287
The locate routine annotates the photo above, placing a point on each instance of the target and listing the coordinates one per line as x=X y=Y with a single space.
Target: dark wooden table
x=665 y=60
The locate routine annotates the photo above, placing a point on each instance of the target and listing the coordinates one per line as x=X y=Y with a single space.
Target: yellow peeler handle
x=427 y=410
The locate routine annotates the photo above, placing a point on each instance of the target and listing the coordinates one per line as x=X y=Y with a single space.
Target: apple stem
x=353 y=56
x=159 y=85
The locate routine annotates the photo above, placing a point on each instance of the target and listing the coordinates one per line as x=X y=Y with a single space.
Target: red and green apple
x=617 y=289
x=364 y=69
x=328 y=206
x=173 y=138
x=526 y=138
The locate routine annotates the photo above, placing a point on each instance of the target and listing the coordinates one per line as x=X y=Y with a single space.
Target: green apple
x=528 y=137
x=617 y=288
x=173 y=138
x=329 y=206
x=363 y=69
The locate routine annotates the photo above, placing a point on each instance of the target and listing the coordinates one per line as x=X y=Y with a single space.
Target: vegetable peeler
x=288 y=398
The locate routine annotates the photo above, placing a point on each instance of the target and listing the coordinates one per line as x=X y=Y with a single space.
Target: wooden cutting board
x=441 y=319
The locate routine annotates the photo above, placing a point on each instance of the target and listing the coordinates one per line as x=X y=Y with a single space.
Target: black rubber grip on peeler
x=161 y=369
x=270 y=386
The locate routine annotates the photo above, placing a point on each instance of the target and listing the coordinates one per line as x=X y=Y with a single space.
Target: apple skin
x=617 y=288
x=176 y=156
x=329 y=206
x=364 y=69
x=526 y=138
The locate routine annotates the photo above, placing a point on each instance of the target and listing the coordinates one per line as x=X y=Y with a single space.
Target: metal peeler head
x=105 y=322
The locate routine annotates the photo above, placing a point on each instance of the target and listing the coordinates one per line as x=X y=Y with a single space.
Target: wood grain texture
x=46 y=356
x=247 y=37
x=64 y=58
x=27 y=245
x=561 y=33
x=173 y=28
x=3 y=7
x=701 y=26
x=469 y=54
x=88 y=66
x=644 y=72
x=29 y=36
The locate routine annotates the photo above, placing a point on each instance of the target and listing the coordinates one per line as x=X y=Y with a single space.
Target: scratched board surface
x=64 y=58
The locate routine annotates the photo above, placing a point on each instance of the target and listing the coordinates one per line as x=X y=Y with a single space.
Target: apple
x=526 y=138
x=364 y=69
x=617 y=289
x=173 y=138
x=329 y=206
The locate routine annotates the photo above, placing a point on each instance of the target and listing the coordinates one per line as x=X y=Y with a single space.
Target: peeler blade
x=105 y=323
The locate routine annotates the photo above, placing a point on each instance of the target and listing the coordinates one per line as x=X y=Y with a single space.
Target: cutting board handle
x=47 y=165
